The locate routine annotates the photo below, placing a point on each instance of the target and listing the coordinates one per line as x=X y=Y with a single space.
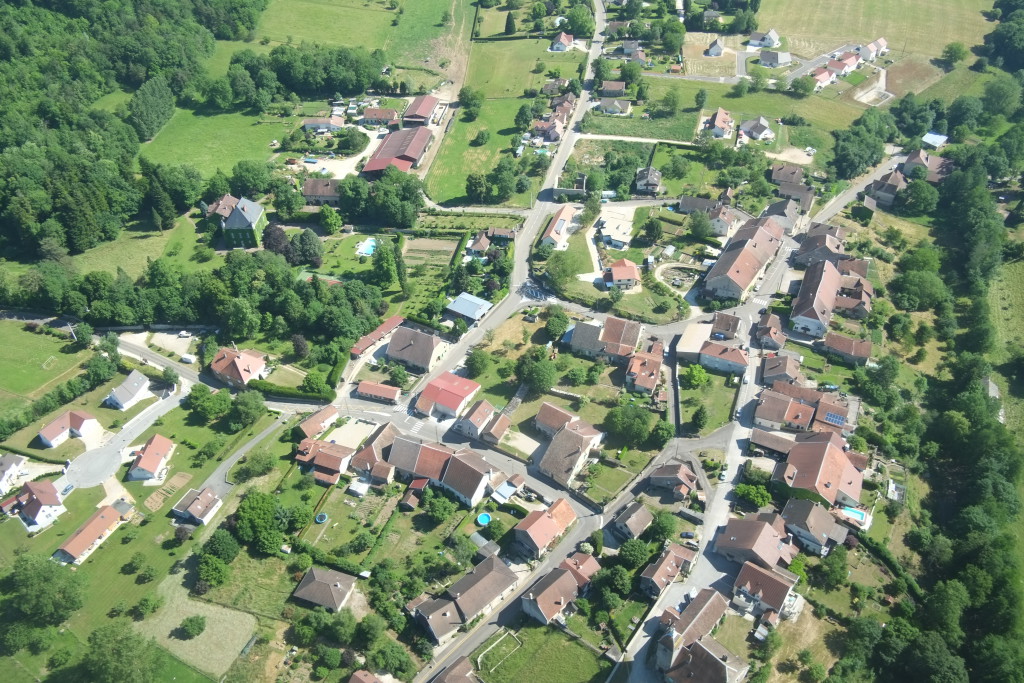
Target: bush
x=193 y=626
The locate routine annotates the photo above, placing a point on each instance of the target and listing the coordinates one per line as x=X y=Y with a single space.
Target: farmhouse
x=475 y=421
x=766 y=592
x=403 y=149
x=720 y=123
x=812 y=526
x=325 y=588
x=643 y=373
x=803 y=195
x=582 y=567
x=822 y=243
x=758 y=129
x=688 y=204
x=371 y=338
x=549 y=131
x=375 y=449
x=722 y=358
x=416 y=350
x=773 y=59
x=769 y=39
x=75 y=423
x=777 y=411
x=243 y=228
x=470 y=307
x=375 y=391
x=375 y=116
x=630 y=46
x=476 y=593
x=420 y=110
x=89 y=536
x=557 y=232
x=562 y=42
x=781 y=368
x=572 y=441
x=814 y=305
x=682 y=629
x=638 y=57
x=759 y=537
x=769 y=332
x=623 y=274
x=448 y=395
x=536 y=532
x=725 y=326
x=10 y=468
x=324 y=125
x=822 y=472
x=317 y=423
x=744 y=259
x=129 y=392
x=326 y=459
x=460 y=671
x=550 y=596
x=615 y=339
x=723 y=220
x=660 y=573
x=236 y=368
x=318 y=191
x=197 y=507
x=151 y=459
x=613 y=89
x=222 y=207
x=648 y=180
x=38 y=504
x=855 y=351
x=632 y=521
x=468 y=477
x=716 y=48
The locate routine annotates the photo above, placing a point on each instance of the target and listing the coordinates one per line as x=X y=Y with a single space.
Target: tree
x=928 y=658
x=802 y=86
x=134 y=563
x=597 y=540
x=631 y=72
x=117 y=654
x=557 y=323
x=41 y=592
x=437 y=507
x=524 y=117
x=669 y=104
x=1002 y=96
x=540 y=376
x=580 y=22
x=256 y=464
x=257 y=522
x=392 y=657
x=482 y=137
x=247 y=408
x=700 y=418
x=832 y=570
x=615 y=295
x=398 y=375
x=919 y=198
x=330 y=221
x=471 y=100
x=213 y=570
x=477 y=362
x=633 y=553
x=741 y=88
x=169 y=376
x=700 y=225
x=510 y=24
x=758 y=78
x=944 y=608
x=223 y=545
x=630 y=423
x=954 y=53
x=385 y=270
x=287 y=200
x=700 y=99
x=207 y=406
x=662 y=433
x=315 y=383
x=653 y=230
x=694 y=377
x=300 y=347
x=275 y=239
x=250 y=178
x=151 y=107
x=677 y=167
x=663 y=527
x=477 y=188
x=193 y=626
x=307 y=248
x=758 y=496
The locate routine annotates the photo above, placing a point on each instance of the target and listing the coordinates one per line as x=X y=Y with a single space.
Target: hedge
x=420 y=320
x=885 y=556
x=325 y=558
x=457 y=256
x=335 y=374
x=269 y=389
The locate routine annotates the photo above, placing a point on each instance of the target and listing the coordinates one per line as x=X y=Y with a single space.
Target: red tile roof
x=238 y=366
x=72 y=419
x=421 y=108
x=402 y=149
x=314 y=424
x=378 y=390
x=96 y=527
x=153 y=454
x=448 y=390
x=544 y=526
x=368 y=340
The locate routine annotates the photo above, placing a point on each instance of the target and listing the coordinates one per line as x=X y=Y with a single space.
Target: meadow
x=545 y=654
x=22 y=375
x=917 y=26
x=506 y=68
x=698 y=178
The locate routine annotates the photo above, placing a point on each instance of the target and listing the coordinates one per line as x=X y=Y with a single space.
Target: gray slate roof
x=244 y=216
x=131 y=387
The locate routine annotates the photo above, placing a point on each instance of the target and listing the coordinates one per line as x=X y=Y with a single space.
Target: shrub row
x=322 y=557
x=885 y=556
x=457 y=256
x=269 y=389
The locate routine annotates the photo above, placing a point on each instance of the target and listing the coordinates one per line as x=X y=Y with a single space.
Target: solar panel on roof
x=834 y=419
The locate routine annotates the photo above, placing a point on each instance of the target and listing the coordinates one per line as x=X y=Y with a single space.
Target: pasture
x=917 y=26
x=33 y=363
x=506 y=68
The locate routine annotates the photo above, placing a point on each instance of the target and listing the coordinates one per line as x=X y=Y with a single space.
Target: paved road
x=218 y=480
x=837 y=203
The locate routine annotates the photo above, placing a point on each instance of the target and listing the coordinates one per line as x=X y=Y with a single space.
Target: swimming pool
x=367 y=248
x=856 y=514
x=483 y=519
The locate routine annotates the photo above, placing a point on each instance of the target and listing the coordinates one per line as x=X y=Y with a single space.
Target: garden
x=707 y=398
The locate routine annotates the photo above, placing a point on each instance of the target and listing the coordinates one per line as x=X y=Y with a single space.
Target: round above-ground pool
x=483 y=519
x=321 y=518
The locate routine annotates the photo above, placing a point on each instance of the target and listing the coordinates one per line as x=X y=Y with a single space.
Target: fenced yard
x=541 y=654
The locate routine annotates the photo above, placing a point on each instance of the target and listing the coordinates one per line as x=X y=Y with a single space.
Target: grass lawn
x=506 y=68
x=80 y=505
x=732 y=633
x=188 y=138
x=959 y=81
x=287 y=376
x=111 y=101
x=716 y=397
x=681 y=127
x=258 y=585
x=917 y=26
x=699 y=178
x=546 y=655
x=457 y=158
x=217 y=64
x=22 y=375
x=817 y=369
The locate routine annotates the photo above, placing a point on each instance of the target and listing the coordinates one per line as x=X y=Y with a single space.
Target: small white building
x=129 y=392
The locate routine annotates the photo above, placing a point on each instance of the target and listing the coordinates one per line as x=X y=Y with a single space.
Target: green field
x=217 y=64
x=506 y=68
x=917 y=26
x=546 y=655
x=22 y=376
x=111 y=101
x=699 y=178
x=716 y=397
x=960 y=81
x=681 y=127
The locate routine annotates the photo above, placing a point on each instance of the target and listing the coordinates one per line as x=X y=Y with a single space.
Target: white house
x=197 y=507
x=557 y=232
x=151 y=458
x=71 y=423
x=10 y=468
x=772 y=59
x=769 y=39
x=562 y=42
x=38 y=503
x=720 y=123
x=129 y=392
x=758 y=129
x=716 y=48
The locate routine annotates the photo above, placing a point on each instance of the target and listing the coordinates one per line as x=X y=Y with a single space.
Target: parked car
x=687 y=534
x=721 y=476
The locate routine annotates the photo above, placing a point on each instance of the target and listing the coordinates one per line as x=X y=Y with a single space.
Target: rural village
x=598 y=341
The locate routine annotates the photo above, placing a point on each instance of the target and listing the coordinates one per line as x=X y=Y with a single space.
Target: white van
x=188 y=358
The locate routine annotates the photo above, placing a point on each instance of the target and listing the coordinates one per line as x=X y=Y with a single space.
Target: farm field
x=919 y=26
x=506 y=68
x=111 y=101
x=681 y=127
x=960 y=81
x=426 y=260
x=22 y=375
x=545 y=655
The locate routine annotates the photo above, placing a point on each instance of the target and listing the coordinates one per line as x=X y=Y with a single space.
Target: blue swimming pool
x=483 y=519
x=367 y=248
x=856 y=514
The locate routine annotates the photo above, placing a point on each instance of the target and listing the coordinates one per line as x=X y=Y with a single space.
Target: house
x=820 y=471
x=630 y=47
x=376 y=116
x=129 y=392
x=319 y=191
x=744 y=259
x=243 y=228
x=775 y=410
x=773 y=59
x=562 y=42
x=364 y=676
x=759 y=537
x=324 y=125
x=680 y=630
x=382 y=474
x=80 y=544
x=723 y=220
x=615 y=229
x=765 y=591
x=413 y=459
x=623 y=274
x=151 y=459
x=707 y=661
x=632 y=521
x=648 y=180
x=476 y=420
x=236 y=368
x=547 y=599
x=550 y=130
x=874 y=50
x=375 y=449
x=838 y=68
x=934 y=140
x=222 y=207
x=403 y=149
x=850 y=59
x=638 y=57
x=769 y=332
x=536 y=532
x=558 y=229
x=613 y=89
x=448 y=395
x=317 y=423
x=823 y=78
x=781 y=368
x=197 y=507
x=688 y=204
x=815 y=304
x=38 y=504
x=582 y=567
x=470 y=307
x=10 y=469
x=615 y=339
x=855 y=351
x=568 y=450
x=496 y=428
x=479 y=245
x=475 y=594
x=325 y=588
x=467 y=476
x=554 y=87
x=803 y=195
x=643 y=373
x=551 y=418
x=72 y=423
x=769 y=39
x=660 y=574
x=725 y=326
x=820 y=247
x=461 y=671
x=722 y=358
x=812 y=526
x=326 y=459
x=679 y=479
x=501 y=236
x=368 y=340
x=787 y=173
x=935 y=167
x=420 y=110
x=610 y=105
x=416 y=350
x=375 y=391
x=758 y=129
x=716 y=48
x=720 y=123
x=712 y=17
